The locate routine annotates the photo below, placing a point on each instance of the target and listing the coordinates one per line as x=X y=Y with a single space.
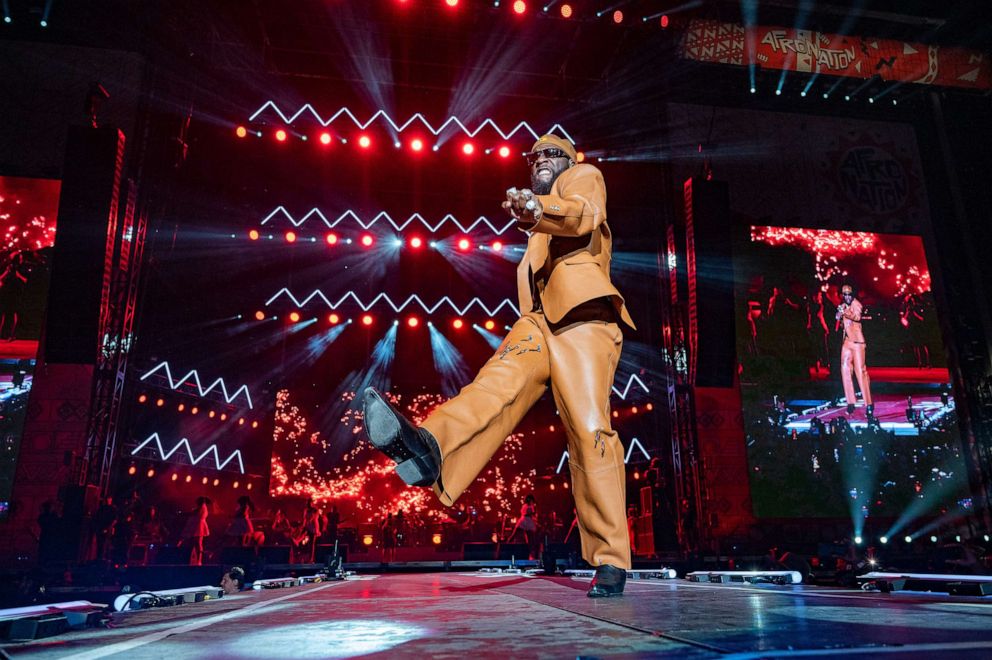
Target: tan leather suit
x=852 y=355
x=568 y=334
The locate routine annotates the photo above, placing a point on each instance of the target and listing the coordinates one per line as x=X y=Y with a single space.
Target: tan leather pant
x=580 y=361
x=852 y=355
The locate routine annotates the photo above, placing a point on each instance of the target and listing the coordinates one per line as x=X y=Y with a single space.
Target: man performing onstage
x=852 y=352
x=568 y=334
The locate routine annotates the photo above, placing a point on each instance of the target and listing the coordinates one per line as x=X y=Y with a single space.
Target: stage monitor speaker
x=709 y=239
x=476 y=551
x=88 y=204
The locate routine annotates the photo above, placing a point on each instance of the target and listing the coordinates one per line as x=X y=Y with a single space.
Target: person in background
x=233 y=580
x=196 y=530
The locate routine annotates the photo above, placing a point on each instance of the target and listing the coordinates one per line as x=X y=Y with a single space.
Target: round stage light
x=451 y=3
x=367 y=319
x=189 y=478
x=253 y=234
x=364 y=142
x=907 y=539
x=281 y=135
x=464 y=244
x=132 y=470
x=254 y=424
x=290 y=236
x=413 y=321
x=649 y=406
x=142 y=398
x=236 y=484
x=150 y=473
x=519 y=6
x=416 y=242
x=634 y=410
x=241 y=422
x=194 y=410
x=857 y=540
x=259 y=315
x=216 y=482
x=933 y=539
x=211 y=414
x=664 y=20
x=468 y=149
x=174 y=476
x=248 y=486
x=417 y=144
x=497 y=246
x=331 y=239
x=504 y=152
x=490 y=324
x=325 y=138
x=181 y=407
x=580 y=156
x=618 y=17
x=367 y=539
x=367 y=240
x=160 y=403
x=458 y=324
x=616 y=413
x=436 y=539
x=566 y=11
x=223 y=417
x=883 y=540
x=333 y=319
x=294 y=317
x=241 y=131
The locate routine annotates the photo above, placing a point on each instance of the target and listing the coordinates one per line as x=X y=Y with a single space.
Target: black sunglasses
x=533 y=157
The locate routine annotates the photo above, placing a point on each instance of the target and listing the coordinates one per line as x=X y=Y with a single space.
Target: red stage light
x=216 y=482
x=417 y=144
x=464 y=244
x=367 y=319
x=566 y=11
x=580 y=156
x=189 y=478
x=181 y=407
x=504 y=152
x=367 y=539
x=211 y=414
x=616 y=413
x=520 y=6
x=248 y=486
x=236 y=484
x=332 y=239
x=290 y=236
x=241 y=131
x=618 y=17
x=259 y=315
x=436 y=539
x=150 y=473
x=281 y=135
x=413 y=321
x=325 y=138
x=253 y=234
x=241 y=422
x=497 y=246
x=468 y=149
x=160 y=403
x=333 y=319
x=194 y=410
x=364 y=142
x=637 y=475
x=490 y=324
x=367 y=240
x=223 y=417
x=451 y=3
x=664 y=21
x=132 y=470
x=174 y=476
x=457 y=324
x=634 y=410
x=649 y=406
x=142 y=398
x=416 y=242
x=294 y=317
x=254 y=424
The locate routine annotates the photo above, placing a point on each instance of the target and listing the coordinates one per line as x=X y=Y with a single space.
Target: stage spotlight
x=150 y=473
x=132 y=470
x=464 y=244
x=325 y=138
x=416 y=242
x=260 y=315
x=216 y=482
x=883 y=540
x=236 y=484
x=933 y=539
x=181 y=407
x=160 y=403
x=241 y=131
x=490 y=324
x=504 y=152
x=580 y=157
x=254 y=235
x=664 y=20
x=194 y=410
x=468 y=149
x=908 y=539
x=290 y=236
x=174 y=476
x=436 y=539
x=519 y=6
x=6 y=19
x=294 y=317
x=333 y=319
x=857 y=540
x=189 y=478
x=241 y=422
x=417 y=144
x=649 y=406
x=753 y=90
x=413 y=321
x=331 y=239
x=566 y=11
x=223 y=417
x=457 y=324
x=367 y=539
x=451 y=3
x=142 y=398
x=618 y=17
x=364 y=142
x=43 y=23
x=366 y=319
x=497 y=246
x=254 y=424
x=281 y=135
x=367 y=240
x=211 y=414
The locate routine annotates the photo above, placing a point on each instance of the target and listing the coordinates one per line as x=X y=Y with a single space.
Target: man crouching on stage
x=568 y=334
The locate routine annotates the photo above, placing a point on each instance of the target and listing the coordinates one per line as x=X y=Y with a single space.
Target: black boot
x=608 y=582
x=850 y=409
x=417 y=455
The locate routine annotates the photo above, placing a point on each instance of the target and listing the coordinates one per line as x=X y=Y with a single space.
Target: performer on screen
x=568 y=334
x=852 y=352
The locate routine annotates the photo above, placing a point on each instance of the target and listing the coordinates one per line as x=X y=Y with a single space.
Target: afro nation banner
x=837 y=55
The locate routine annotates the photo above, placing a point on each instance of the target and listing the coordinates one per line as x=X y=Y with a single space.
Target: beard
x=541 y=187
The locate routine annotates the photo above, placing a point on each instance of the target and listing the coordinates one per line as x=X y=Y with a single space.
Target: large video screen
x=28 y=211
x=848 y=408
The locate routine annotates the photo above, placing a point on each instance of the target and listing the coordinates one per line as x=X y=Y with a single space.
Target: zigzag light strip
x=174 y=384
x=389 y=301
x=401 y=127
x=383 y=215
x=626 y=390
x=236 y=454
x=626 y=459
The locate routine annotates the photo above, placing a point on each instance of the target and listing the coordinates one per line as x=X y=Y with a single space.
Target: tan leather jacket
x=568 y=254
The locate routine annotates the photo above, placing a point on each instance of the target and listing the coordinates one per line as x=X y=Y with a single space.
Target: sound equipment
x=517 y=551
x=472 y=551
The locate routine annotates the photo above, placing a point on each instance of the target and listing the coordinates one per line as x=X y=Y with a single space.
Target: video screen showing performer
x=845 y=388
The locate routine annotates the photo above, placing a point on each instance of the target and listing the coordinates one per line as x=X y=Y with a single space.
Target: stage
x=460 y=615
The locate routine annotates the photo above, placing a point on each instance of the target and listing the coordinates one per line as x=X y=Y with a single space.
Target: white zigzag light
x=174 y=384
x=389 y=301
x=401 y=127
x=383 y=215
x=626 y=459
x=212 y=449
x=626 y=390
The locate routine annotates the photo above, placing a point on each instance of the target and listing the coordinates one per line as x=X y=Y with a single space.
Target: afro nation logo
x=871 y=175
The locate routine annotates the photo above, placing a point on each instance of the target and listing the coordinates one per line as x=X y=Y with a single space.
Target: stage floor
x=459 y=615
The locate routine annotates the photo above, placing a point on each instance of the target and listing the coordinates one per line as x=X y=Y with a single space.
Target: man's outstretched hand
x=525 y=208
